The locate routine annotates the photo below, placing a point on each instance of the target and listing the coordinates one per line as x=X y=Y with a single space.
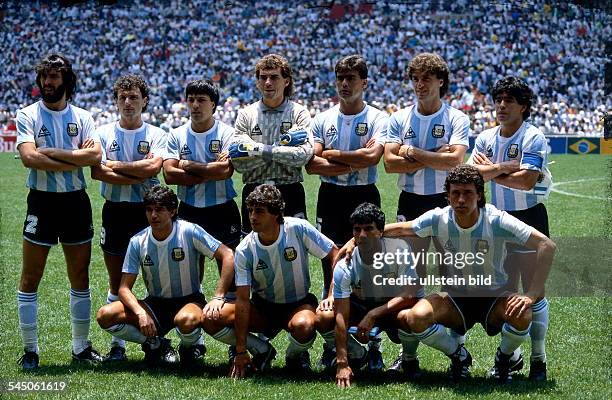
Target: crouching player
x=368 y=292
x=168 y=251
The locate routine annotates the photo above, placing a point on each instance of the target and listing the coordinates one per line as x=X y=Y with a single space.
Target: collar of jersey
x=516 y=134
x=281 y=233
x=201 y=133
x=61 y=112
x=166 y=240
x=471 y=228
x=119 y=128
x=280 y=108
x=427 y=117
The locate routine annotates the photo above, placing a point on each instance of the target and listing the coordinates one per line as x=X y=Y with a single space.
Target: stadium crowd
x=557 y=47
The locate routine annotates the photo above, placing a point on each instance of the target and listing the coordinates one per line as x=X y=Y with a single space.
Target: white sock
x=115 y=341
x=516 y=354
x=410 y=342
x=354 y=348
x=539 y=327
x=127 y=332
x=330 y=339
x=27 y=309
x=254 y=344
x=436 y=336
x=189 y=339
x=296 y=348
x=80 y=316
x=511 y=338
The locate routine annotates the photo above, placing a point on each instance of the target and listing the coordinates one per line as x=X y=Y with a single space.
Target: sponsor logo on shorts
x=290 y=253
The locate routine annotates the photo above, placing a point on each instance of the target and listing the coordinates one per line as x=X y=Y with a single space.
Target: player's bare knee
x=186 y=322
x=402 y=319
x=420 y=317
x=105 y=316
x=324 y=321
x=302 y=327
x=522 y=322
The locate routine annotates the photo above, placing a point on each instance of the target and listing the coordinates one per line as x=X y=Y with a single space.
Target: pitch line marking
x=584 y=196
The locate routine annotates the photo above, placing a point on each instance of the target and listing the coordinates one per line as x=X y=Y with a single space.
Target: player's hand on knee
x=517 y=304
x=326 y=304
x=212 y=310
x=240 y=364
x=146 y=325
x=343 y=376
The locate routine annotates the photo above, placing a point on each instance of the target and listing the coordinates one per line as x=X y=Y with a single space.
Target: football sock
x=410 y=342
x=511 y=338
x=254 y=344
x=460 y=339
x=436 y=336
x=189 y=339
x=115 y=341
x=27 y=308
x=539 y=327
x=80 y=313
x=127 y=332
x=296 y=348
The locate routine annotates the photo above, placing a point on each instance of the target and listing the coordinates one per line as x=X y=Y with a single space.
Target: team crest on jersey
x=449 y=246
x=512 y=151
x=361 y=129
x=147 y=262
x=331 y=131
x=143 y=147
x=114 y=146
x=72 y=129
x=290 y=253
x=489 y=153
x=185 y=150
x=44 y=132
x=438 y=131
x=256 y=130
x=285 y=126
x=261 y=265
x=410 y=134
x=482 y=246
x=215 y=146
x=178 y=254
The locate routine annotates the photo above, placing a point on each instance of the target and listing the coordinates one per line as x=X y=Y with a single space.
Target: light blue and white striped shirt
x=360 y=278
x=279 y=272
x=338 y=131
x=66 y=129
x=171 y=267
x=204 y=147
x=126 y=145
x=488 y=236
x=408 y=127
x=529 y=146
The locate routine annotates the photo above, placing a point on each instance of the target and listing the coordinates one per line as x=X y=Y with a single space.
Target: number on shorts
x=31 y=222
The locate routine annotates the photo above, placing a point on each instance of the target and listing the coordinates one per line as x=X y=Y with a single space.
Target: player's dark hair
x=129 y=82
x=272 y=61
x=353 y=63
x=517 y=88
x=163 y=196
x=60 y=63
x=366 y=213
x=203 y=86
x=465 y=174
x=270 y=197
x=433 y=64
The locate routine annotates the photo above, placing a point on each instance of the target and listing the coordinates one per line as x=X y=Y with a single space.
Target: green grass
x=578 y=342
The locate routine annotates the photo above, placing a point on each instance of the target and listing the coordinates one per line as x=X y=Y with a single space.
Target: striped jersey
x=170 y=268
x=202 y=147
x=335 y=130
x=408 y=127
x=128 y=145
x=66 y=129
x=529 y=146
x=262 y=124
x=476 y=251
x=364 y=281
x=279 y=272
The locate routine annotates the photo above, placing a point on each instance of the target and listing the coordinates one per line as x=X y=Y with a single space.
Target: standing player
x=168 y=251
x=513 y=156
x=268 y=151
x=364 y=299
x=425 y=141
x=349 y=142
x=131 y=160
x=468 y=226
x=272 y=263
x=55 y=141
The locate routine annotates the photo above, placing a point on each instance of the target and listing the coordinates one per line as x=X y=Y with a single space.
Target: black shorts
x=221 y=221
x=477 y=309
x=359 y=308
x=412 y=205
x=536 y=216
x=335 y=205
x=293 y=194
x=52 y=217
x=121 y=221
x=278 y=315
x=163 y=310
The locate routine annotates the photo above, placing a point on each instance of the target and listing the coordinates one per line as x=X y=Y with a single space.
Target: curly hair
x=63 y=65
x=433 y=64
x=160 y=195
x=366 y=213
x=206 y=87
x=272 y=61
x=353 y=63
x=465 y=174
x=517 y=88
x=129 y=82
x=267 y=196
